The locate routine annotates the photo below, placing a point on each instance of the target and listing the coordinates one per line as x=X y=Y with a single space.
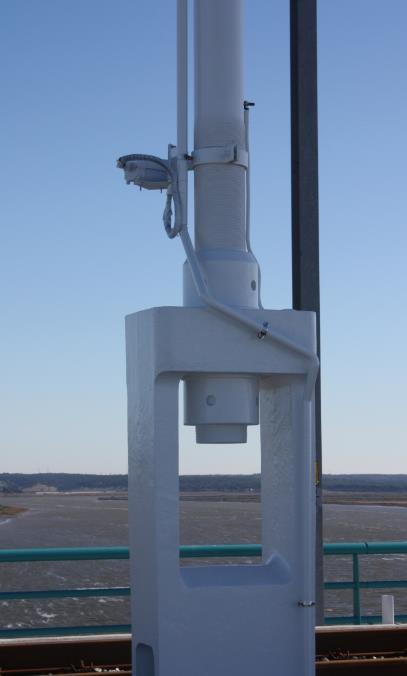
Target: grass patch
x=6 y=510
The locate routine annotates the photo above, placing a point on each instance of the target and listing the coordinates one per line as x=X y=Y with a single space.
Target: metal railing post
x=356 y=590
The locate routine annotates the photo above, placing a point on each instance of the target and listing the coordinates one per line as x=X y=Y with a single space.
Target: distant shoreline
x=329 y=498
x=371 y=498
x=45 y=482
x=382 y=499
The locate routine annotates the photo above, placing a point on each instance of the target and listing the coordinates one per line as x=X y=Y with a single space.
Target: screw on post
x=261 y=334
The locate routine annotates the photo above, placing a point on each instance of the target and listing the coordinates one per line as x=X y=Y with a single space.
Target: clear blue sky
x=84 y=82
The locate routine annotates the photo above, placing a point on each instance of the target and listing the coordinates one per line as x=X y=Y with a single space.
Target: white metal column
x=238 y=361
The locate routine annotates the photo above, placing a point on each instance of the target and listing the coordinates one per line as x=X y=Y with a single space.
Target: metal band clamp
x=230 y=154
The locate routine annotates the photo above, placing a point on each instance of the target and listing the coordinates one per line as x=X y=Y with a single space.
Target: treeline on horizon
x=15 y=483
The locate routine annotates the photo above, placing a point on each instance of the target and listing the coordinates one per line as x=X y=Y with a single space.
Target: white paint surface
x=220 y=620
x=387 y=609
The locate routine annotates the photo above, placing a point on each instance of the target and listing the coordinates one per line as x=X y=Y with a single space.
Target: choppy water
x=64 y=521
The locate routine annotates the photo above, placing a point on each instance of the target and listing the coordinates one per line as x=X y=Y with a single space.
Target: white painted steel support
x=182 y=104
x=217 y=620
x=219 y=189
x=239 y=364
x=182 y=77
x=220 y=162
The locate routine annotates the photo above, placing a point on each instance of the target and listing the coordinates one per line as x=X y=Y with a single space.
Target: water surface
x=84 y=520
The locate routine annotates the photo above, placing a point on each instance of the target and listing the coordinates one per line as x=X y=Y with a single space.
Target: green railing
x=352 y=549
x=356 y=549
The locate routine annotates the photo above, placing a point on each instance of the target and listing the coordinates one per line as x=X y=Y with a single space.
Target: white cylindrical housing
x=232 y=278
x=221 y=407
x=230 y=271
x=219 y=188
x=387 y=609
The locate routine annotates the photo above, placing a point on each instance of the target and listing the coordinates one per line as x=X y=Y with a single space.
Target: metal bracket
x=230 y=154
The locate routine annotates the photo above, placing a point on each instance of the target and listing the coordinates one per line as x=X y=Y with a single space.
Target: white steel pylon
x=240 y=364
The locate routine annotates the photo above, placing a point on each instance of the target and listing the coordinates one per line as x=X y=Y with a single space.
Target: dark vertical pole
x=304 y=205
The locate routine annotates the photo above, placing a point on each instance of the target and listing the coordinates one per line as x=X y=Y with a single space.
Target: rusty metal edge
x=65 y=651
